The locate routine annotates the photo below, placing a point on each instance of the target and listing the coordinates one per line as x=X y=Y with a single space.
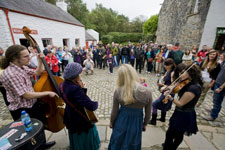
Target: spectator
x=139 y=55
x=202 y=53
x=52 y=62
x=218 y=96
x=187 y=57
x=1 y=52
x=110 y=61
x=159 y=62
x=65 y=58
x=210 y=69
x=88 y=65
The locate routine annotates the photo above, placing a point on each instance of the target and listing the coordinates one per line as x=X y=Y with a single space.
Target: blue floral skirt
x=127 y=130
x=85 y=141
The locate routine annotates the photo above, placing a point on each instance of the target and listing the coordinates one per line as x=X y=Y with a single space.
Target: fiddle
x=176 y=88
x=177 y=85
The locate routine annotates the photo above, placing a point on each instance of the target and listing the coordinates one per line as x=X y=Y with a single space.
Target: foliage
x=79 y=10
x=106 y=39
x=120 y=37
x=150 y=26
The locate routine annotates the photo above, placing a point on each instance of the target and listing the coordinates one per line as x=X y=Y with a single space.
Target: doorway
x=220 y=42
x=24 y=42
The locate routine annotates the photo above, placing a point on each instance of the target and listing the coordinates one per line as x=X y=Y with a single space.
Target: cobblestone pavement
x=101 y=86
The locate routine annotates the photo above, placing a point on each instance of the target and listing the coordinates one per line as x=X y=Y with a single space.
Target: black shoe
x=163 y=117
x=49 y=144
x=153 y=120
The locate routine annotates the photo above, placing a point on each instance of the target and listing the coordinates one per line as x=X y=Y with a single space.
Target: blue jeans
x=126 y=59
x=217 y=101
x=115 y=61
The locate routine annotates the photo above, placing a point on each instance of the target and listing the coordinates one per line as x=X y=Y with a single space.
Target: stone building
x=49 y=24
x=192 y=22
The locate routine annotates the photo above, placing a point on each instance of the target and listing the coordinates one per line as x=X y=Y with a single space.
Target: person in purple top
x=83 y=135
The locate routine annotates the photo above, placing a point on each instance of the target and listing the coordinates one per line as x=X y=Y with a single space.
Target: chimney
x=62 y=5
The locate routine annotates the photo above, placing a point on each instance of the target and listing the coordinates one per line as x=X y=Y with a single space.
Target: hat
x=72 y=70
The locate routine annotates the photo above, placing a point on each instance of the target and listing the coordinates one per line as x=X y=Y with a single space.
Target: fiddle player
x=19 y=90
x=183 y=120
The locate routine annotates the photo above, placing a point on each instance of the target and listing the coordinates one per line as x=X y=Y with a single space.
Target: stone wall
x=179 y=23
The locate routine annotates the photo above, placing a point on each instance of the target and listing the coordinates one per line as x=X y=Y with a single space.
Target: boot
x=153 y=120
x=163 y=117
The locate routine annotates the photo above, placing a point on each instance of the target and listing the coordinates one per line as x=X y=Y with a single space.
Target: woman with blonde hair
x=126 y=120
x=210 y=68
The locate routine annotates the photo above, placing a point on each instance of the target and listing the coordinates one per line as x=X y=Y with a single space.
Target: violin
x=176 y=88
x=177 y=85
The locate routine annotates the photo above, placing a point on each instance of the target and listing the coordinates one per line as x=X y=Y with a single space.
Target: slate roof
x=39 y=8
x=89 y=37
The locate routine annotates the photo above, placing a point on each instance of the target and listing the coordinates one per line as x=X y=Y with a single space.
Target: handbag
x=90 y=115
x=150 y=59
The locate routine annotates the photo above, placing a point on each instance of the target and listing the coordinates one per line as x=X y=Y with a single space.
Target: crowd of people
x=190 y=73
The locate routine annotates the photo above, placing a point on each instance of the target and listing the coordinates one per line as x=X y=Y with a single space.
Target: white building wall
x=94 y=34
x=215 y=18
x=5 y=36
x=57 y=31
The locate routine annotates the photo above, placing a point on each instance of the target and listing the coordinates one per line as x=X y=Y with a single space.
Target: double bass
x=48 y=82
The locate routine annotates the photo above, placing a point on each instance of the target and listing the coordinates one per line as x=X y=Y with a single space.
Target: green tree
x=150 y=26
x=137 y=24
x=79 y=10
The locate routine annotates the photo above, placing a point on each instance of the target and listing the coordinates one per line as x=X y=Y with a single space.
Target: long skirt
x=127 y=130
x=85 y=141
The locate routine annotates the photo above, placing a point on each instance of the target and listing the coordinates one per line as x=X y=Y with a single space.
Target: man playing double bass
x=16 y=80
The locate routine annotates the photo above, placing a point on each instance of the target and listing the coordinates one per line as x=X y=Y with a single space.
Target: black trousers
x=139 y=65
x=64 y=63
x=149 y=66
x=173 y=139
x=37 y=111
x=132 y=62
x=111 y=68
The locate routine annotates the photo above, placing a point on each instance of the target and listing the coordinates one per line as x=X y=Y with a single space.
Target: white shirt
x=67 y=56
x=205 y=75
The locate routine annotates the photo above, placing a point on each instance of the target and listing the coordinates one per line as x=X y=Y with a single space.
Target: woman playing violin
x=183 y=120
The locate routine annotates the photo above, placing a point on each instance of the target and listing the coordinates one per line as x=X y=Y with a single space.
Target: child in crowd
x=143 y=81
x=110 y=61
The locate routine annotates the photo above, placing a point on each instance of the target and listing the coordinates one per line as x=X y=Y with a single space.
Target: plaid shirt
x=17 y=82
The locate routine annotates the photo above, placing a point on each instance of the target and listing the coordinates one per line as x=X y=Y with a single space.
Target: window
x=77 y=42
x=24 y=42
x=66 y=42
x=46 y=42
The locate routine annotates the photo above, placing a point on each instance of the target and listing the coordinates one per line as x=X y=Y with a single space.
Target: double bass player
x=16 y=80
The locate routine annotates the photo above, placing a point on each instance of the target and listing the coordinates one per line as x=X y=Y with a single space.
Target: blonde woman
x=126 y=120
x=210 y=68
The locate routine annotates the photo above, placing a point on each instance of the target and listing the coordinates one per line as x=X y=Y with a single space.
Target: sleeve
x=194 y=89
x=115 y=108
x=148 y=108
x=29 y=71
x=82 y=99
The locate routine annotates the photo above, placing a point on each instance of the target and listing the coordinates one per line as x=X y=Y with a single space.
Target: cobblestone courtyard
x=101 y=86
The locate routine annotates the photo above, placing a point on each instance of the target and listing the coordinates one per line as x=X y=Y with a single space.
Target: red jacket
x=201 y=54
x=52 y=63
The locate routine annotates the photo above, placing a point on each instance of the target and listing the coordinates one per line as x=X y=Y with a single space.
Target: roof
x=39 y=8
x=88 y=37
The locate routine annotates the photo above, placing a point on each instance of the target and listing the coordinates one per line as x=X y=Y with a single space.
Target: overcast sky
x=129 y=8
